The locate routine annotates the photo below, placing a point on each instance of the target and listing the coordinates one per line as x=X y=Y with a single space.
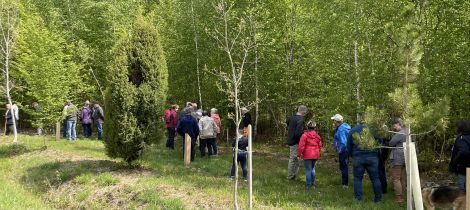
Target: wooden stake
x=468 y=189
x=57 y=131
x=415 y=181
x=187 y=150
x=250 y=167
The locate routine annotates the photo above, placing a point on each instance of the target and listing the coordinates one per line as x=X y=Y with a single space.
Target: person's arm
x=343 y=138
x=299 y=130
x=101 y=113
x=301 y=148
x=396 y=139
x=196 y=128
x=463 y=154
x=216 y=128
x=349 y=143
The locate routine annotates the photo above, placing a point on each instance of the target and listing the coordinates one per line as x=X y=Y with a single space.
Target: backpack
x=168 y=116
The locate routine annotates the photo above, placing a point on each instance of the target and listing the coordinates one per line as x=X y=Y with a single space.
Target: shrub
x=136 y=93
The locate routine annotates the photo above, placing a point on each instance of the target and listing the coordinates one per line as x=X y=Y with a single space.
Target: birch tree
x=8 y=30
x=233 y=42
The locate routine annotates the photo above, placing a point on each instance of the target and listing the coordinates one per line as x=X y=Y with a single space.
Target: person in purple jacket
x=86 y=118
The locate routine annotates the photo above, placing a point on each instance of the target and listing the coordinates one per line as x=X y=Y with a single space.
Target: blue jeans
x=99 y=130
x=170 y=141
x=371 y=165
x=86 y=130
x=310 y=172
x=343 y=167
x=71 y=131
x=242 y=160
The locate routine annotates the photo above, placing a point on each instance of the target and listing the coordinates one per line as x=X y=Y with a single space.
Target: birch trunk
x=197 y=54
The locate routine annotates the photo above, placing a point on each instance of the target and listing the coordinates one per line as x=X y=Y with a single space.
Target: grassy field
x=78 y=175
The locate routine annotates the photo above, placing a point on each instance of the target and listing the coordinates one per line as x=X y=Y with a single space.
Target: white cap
x=337 y=117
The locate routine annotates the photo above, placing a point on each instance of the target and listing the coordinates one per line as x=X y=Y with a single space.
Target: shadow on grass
x=7 y=151
x=42 y=177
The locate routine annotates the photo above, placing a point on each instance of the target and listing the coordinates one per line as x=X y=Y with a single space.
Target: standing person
x=363 y=148
x=86 y=119
x=215 y=116
x=460 y=159
x=98 y=118
x=71 y=113
x=295 y=129
x=9 y=120
x=340 y=140
x=171 y=120
x=397 y=157
x=16 y=113
x=188 y=125
x=246 y=120
x=37 y=109
x=241 y=157
x=208 y=134
x=309 y=150
x=64 y=123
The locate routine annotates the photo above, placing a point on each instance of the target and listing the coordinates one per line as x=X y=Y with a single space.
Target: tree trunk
x=197 y=55
x=358 y=81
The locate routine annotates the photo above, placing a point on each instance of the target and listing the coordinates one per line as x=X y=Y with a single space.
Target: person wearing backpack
x=208 y=134
x=309 y=150
x=171 y=120
x=460 y=159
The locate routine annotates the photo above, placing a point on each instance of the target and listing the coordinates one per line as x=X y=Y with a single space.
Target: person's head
x=205 y=113
x=68 y=102
x=35 y=104
x=87 y=103
x=213 y=111
x=311 y=125
x=194 y=106
x=398 y=124
x=463 y=127
x=175 y=107
x=337 y=120
x=302 y=110
x=188 y=110
x=244 y=110
x=97 y=105
x=189 y=104
x=8 y=106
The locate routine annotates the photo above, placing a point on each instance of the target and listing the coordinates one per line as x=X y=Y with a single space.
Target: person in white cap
x=340 y=141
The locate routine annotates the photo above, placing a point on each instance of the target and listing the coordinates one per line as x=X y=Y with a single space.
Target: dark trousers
x=9 y=130
x=214 y=146
x=64 y=124
x=382 y=176
x=193 y=147
x=242 y=160
x=207 y=143
x=86 y=130
x=170 y=141
x=343 y=167
x=371 y=165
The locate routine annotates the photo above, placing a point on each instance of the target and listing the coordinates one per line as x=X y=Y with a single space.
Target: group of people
x=368 y=152
x=197 y=123
x=205 y=127
x=87 y=115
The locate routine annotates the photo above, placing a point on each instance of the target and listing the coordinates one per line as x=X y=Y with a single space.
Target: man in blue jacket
x=189 y=125
x=340 y=142
x=363 y=148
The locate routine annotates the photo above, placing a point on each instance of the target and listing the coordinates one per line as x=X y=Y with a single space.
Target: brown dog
x=443 y=198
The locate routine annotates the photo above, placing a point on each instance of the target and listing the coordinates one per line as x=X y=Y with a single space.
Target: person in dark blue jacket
x=363 y=148
x=460 y=159
x=189 y=125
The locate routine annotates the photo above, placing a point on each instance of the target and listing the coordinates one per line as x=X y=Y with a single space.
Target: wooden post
x=187 y=149
x=468 y=189
x=250 y=167
x=57 y=131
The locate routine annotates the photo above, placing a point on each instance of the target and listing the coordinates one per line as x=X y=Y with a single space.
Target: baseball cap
x=337 y=117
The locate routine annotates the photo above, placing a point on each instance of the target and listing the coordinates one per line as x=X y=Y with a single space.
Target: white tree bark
x=197 y=54
x=8 y=29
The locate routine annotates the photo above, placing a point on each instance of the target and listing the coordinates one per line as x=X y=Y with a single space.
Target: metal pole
x=250 y=167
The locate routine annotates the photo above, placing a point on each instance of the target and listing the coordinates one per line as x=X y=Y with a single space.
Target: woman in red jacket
x=309 y=150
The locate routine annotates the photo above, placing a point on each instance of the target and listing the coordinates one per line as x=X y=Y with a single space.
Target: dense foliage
x=345 y=57
x=136 y=92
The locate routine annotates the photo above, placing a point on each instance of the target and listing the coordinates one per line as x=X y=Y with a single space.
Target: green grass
x=37 y=178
